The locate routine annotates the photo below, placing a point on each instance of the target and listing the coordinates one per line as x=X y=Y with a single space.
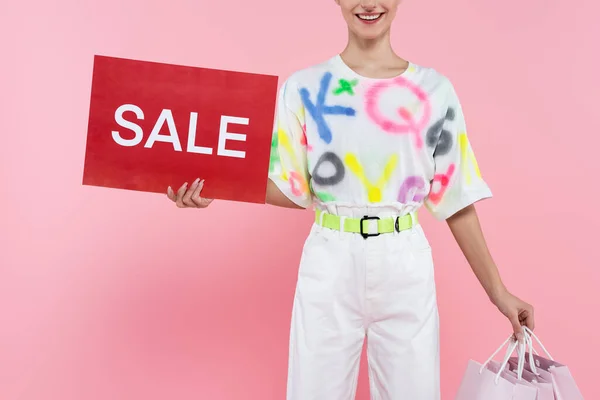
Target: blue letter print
x=319 y=110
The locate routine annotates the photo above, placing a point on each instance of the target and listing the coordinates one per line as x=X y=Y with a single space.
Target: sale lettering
x=166 y=118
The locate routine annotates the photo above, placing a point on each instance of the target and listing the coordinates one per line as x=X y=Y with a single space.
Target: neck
x=367 y=51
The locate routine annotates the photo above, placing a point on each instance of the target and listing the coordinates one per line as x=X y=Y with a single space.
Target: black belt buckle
x=397 y=224
x=362 y=231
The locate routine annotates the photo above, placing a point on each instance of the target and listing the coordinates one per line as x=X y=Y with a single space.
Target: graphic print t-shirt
x=341 y=138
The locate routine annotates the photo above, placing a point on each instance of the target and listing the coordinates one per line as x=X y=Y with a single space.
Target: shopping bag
x=558 y=374
x=482 y=383
x=544 y=386
x=523 y=389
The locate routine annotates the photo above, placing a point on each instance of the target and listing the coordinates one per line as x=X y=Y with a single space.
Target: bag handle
x=528 y=349
x=521 y=364
x=529 y=336
x=485 y=364
x=529 y=332
x=514 y=344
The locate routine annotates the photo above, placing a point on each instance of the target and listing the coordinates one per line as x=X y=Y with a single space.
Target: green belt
x=360 y=225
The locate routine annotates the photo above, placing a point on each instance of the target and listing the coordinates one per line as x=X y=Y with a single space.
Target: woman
x=367 y=138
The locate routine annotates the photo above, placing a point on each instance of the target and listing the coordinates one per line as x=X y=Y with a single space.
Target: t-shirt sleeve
x=288 y=165
x=457 y=181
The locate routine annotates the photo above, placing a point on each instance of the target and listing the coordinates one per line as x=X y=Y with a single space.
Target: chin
x=369 y=35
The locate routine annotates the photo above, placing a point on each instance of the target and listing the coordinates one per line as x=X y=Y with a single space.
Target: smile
x=369 y=17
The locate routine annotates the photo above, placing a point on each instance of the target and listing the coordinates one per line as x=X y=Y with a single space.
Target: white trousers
x=348 y=288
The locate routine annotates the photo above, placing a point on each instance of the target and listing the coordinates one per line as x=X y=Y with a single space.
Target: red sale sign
x=156 y=125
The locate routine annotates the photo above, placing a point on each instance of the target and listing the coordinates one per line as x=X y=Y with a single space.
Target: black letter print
x=439 y=137
x=334 y=179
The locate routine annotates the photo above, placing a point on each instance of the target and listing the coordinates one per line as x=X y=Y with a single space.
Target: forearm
x=276 y=198
x=466 y=229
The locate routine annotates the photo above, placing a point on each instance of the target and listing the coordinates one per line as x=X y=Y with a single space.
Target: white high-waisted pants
x=348 y=287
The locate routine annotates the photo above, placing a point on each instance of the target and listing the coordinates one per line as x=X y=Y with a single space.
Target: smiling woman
x=367 y=138
x=112 y=294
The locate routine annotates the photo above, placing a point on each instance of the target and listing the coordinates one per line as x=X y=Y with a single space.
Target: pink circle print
x=298 y=184
x=409 y=124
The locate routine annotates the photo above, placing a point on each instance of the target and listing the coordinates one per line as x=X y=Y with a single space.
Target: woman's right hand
x=189 y=197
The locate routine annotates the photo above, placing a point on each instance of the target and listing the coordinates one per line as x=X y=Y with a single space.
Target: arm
x=466 y=229
x=276 y=198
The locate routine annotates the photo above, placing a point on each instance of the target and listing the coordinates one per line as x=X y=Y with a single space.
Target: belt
x=357 y=225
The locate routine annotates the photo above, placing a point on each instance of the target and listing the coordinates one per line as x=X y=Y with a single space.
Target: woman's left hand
x=517 y=311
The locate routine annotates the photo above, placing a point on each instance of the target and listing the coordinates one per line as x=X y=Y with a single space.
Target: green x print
x=345 y=86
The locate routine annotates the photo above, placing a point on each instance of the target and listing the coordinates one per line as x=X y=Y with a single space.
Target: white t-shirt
x=341 y=138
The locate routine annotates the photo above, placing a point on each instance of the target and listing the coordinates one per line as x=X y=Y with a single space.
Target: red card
x=157 y=125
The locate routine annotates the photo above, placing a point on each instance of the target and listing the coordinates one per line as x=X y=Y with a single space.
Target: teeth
x=369 y=17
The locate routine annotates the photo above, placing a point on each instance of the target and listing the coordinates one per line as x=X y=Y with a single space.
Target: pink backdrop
x=107 y=294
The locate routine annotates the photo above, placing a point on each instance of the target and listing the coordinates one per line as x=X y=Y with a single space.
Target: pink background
x=107 y=294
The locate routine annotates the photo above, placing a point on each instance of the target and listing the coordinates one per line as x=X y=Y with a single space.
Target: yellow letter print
x=296 y=177
x=284 y=141
x=467 y=158
x=373 y=190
